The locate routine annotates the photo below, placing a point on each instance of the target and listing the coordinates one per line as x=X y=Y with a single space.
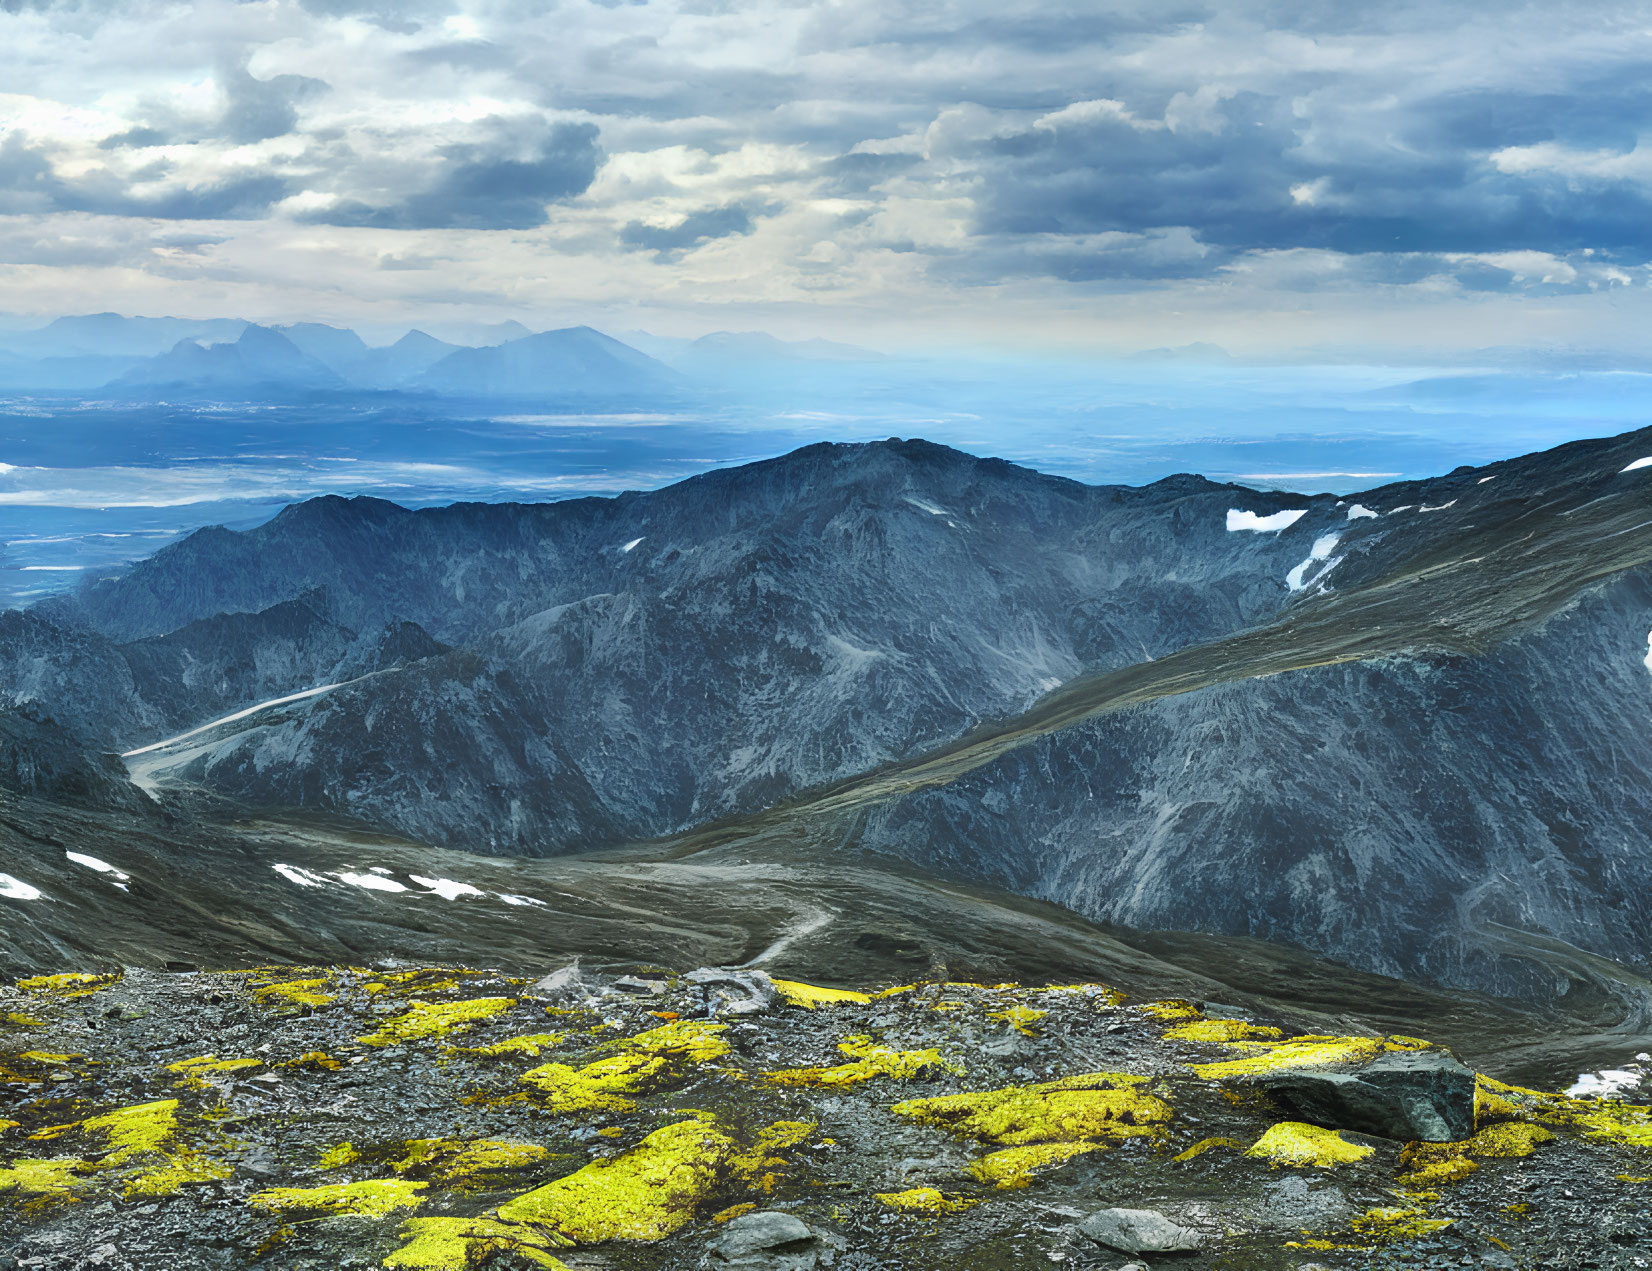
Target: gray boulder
x=1140 y=1231
x=766 y=1241
x=733 y=992
x=1424 y=1095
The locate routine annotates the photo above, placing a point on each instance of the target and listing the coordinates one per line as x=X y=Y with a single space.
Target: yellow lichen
x=1626 y=1123
x=316 y=1061
x=70 y=984
x=299 y=993
x=734 y=1211
x=1015 y=1166
x=457 y=1161
x=1172 y=1008
x=646 y=1193
x=1205 y=1145
x=870 y=1060
x=926 y=1200
x=1297 y=1143
x=22 y=1021
x=195 y=1071
x=529 y=1044
x=372 y=1198
x=1387 y=1226
x=458 y=1244
x=46 y=1177
x=1093 y=1105
x=339 y=1156
x=644 y=1062
x=757 y=1165
x=436 y=1019
x=1297 y=1052
x=812 y=995
x=1020 y=1018
x=1220 y=1031
x=142 y=1127
x=182 y=1167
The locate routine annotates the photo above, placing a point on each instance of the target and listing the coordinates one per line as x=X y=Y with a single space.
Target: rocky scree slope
x=445 y=1118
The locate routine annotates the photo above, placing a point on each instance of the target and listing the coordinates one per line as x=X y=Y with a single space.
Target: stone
x=1411 y=1095
x=734 y=992
x=767 y=1240
x=560 y=980
x=1140 y=1231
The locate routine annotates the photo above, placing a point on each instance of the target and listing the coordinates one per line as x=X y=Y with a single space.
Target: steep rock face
x=1414 y=814
x=700 y=651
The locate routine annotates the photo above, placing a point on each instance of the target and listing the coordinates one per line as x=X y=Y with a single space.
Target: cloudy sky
x=1285 y=175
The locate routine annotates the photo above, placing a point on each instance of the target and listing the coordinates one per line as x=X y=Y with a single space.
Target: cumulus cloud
x=782 y=150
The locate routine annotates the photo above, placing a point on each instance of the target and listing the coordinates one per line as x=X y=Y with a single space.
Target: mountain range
x=230 y=358
x=1403 y=730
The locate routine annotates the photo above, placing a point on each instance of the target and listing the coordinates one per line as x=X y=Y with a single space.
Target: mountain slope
x=259 y=358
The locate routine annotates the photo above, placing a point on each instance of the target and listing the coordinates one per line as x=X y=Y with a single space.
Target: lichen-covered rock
x=1424 y=1095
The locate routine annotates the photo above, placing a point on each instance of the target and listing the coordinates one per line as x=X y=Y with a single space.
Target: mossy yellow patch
x=458 y=1244
x=1220 y=1031
x=644 y=1062
x=926 y=1200
x=1020 y=1018
x=1434 y=1164
x=1628 y=1124
x=372 y=1198
x=142 y=1127
x=529 y=1044
x=1015 y=1166
x=46 y=1177
x=1205 y=1145
x=293 y=993
x=70 y=984
x=812 y=995
x=458 y=1161
x=646 y=1193
x=338 y=1156
x=50 y=1057
x=1299 y=1144
x=1392 y=1225
x=869 y=1060
x=734 y=1211
x=757 y=1166
x=1296 y=1052
x=1171 y=1008
x=1093 y=1105
x=14 y=1020
x=435 y=1019
x=194 y=1072
x=316 y=1061
x=181 y=1167
x=1109 y=996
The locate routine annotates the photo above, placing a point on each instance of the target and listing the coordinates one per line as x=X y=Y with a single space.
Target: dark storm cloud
x=693 y=230
x=1261 y=176
x=475 y=186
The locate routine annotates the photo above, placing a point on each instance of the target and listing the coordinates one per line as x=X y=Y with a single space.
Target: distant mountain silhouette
x=261 y=358
x=572 y=362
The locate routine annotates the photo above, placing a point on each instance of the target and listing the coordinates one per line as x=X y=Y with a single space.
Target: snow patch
x=1441 y=508
x=13 y=888
x=631 y=546
x=1359 y=511
x=370 y=882
x=1606 y=1083
x=1403 y=508
x=1322 y=548
x=1483 y=480
x=1648 y=658
x=102 y=867
x=296 y=874
x=519 y=900
x=1270 y=524
x=446 y=888
x=1640 y=463
x=926 y=507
